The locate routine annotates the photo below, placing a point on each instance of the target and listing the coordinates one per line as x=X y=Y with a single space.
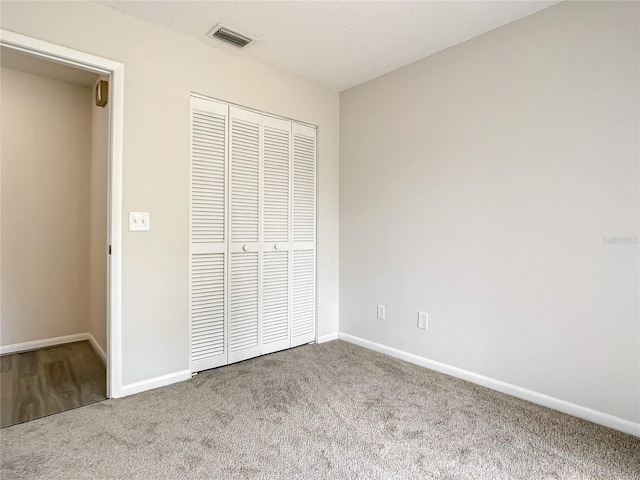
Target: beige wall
x=481 y=185
x=98 y=229
x=161 y=69
x=46 y=146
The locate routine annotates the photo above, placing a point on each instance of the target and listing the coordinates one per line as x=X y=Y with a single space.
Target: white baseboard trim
x=52 y=342
x=47 y=342
x=327 y=338
x=161 y=381
x=102 y=356
x=594 y=416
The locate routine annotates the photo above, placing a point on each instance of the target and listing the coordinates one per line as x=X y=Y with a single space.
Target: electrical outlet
x=381 y=312
x=423 y=320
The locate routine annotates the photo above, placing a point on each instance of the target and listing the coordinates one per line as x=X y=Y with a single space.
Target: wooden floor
x=50 y=380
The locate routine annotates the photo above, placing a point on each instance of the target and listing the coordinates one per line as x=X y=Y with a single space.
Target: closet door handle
x=276 y=246
x=245 y=247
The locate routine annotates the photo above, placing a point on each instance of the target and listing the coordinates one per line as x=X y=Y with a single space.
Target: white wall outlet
x=139 y=222
x=423 y=320
x=381 y=312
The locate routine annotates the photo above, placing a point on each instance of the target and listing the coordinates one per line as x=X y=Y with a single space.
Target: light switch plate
x=139 y=222
x=423 y=320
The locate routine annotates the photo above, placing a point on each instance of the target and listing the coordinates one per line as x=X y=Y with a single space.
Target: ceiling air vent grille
x=229 y=35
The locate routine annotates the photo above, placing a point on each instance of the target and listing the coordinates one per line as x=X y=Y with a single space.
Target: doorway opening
x=60 y=190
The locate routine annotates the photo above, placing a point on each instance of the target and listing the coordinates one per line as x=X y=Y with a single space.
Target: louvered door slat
x=275 y=306
x=243 y=312
x=244 y=267
x=303 y=293
x=276 y=318
x=303 y=301
x=208 y=166
x=208 y=234
x=276 y=184
x=304 y=185
x=245 y=151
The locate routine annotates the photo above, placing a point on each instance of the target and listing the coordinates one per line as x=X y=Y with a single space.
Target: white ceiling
x=337 y=44
x=15 y=60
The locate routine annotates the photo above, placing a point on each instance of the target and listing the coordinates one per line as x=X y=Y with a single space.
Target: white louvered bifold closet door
x=276 y=199
x=244 y=265
x=253 y=234
x=303 y=301
x=208 y=234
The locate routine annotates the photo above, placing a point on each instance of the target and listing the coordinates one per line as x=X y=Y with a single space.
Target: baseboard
x=52 y=342
x=44 y=343
x=594 y=416
x=102 y=356
x=161 y=381
x=328 y=338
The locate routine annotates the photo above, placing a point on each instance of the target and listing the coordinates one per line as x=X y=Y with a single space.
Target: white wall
x=98 y=218
x=46 y=135
x=478 y=185
x=161 y=69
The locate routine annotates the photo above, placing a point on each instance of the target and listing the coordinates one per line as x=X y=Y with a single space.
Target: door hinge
x=109 y=249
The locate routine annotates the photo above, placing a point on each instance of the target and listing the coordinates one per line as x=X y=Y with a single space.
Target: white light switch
x=139 y=221
x=423 y=320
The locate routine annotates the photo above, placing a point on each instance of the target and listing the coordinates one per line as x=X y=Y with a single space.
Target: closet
x=253 y=234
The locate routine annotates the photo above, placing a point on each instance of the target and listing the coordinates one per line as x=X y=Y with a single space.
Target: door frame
x=115 y=71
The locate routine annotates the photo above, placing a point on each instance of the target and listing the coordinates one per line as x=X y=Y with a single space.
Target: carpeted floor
x=330 y=411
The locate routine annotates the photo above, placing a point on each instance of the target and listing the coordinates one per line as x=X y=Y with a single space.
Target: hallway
x=50 y=380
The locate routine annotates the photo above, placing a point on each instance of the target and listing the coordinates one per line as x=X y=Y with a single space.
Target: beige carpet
x=331 y=411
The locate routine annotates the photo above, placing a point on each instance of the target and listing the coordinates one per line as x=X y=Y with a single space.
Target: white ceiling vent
x=229 y=35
